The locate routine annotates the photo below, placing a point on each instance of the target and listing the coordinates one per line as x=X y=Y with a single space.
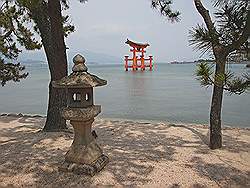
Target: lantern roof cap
x=79 y=78
x=136 y=44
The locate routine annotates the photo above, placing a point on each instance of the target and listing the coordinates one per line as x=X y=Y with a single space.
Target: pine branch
x=204 y=73
x=163 y=6
x=238 y=85
x=208 y=21
x=200 y=38
x=244 y=35
x=10 y=71
x=230 y=83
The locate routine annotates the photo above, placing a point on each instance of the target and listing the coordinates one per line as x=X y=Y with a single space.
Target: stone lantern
x=84 y=155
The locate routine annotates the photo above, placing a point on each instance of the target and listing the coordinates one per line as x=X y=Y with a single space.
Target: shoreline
x=125 y=120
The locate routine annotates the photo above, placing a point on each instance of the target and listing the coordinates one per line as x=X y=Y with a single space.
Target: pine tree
x=222 y=38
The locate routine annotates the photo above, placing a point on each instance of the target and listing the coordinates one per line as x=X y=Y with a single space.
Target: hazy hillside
x=91 y=57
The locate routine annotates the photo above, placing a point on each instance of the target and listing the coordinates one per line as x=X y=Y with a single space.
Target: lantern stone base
x=85 y=155
x=88 y=169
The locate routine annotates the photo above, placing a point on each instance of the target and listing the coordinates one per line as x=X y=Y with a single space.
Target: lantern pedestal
x=84 y=156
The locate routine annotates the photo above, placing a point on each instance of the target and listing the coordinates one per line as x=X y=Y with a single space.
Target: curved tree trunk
x=216 y=107
x=58 y=68
x=48 y=18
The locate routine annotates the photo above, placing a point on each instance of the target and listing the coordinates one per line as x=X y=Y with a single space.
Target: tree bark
x=48 y=18
x=58 y=68
x=216 y=106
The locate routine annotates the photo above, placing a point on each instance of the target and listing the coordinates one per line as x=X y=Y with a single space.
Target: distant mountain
x=95 y=58
x=32 y=61
x=91 y=57
x=32 y=57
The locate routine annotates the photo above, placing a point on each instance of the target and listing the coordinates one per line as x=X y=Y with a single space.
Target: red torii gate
x=138 y=62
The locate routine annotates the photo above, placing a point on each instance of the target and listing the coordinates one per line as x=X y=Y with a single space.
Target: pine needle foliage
x=231 y=83
x=237 y=85
x=231 y=19
x=201 y=39
x=164 y=7
x=14 y=32
x=204 y=73
x=11 y=71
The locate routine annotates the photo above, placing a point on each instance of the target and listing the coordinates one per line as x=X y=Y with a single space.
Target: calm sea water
x=169 y=93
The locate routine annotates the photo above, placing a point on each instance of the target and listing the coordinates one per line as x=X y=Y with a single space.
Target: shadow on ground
x=30 y=157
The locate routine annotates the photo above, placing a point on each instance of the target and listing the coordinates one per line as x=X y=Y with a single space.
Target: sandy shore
x=141 y=154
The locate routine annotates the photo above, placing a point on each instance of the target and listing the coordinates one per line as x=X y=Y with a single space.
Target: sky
x=103 y=27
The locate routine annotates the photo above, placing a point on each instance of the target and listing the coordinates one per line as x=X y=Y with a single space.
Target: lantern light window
x=76 y=97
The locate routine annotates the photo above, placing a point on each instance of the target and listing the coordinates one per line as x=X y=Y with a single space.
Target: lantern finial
x=79 y=64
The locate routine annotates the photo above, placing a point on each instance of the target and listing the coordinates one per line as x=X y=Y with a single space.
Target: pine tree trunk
x=48 y=18
x=54 y=121
x=216 y=107
x=58 y=69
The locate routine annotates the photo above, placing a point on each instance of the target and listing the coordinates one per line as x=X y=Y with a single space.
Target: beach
x=141 y=153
